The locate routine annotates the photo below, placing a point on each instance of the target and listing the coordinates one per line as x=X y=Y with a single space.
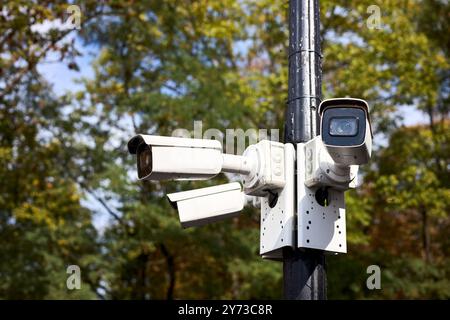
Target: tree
x=410 y=205
x=160 y=66
x=163 y=65
x=43 y=227
x=159 y=73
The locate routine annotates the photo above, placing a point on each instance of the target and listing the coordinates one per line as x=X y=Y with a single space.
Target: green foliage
x=161 y=65
x=406 y=195
x=43 y=227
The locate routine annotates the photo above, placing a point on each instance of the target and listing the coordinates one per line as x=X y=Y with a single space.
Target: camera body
x=332 y=159
x=346 y=130
x=171 y=158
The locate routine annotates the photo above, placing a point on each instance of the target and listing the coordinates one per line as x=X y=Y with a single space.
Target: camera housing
x=346 y=131
x=171 y=158
x=207 y=205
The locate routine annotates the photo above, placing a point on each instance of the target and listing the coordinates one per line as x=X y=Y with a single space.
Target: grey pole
x=303 y=269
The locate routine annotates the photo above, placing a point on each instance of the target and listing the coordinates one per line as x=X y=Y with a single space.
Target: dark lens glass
x=144 y=160
x=343 y=126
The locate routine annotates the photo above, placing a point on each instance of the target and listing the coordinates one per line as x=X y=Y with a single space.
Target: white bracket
x=277 y=223
x=319 y=227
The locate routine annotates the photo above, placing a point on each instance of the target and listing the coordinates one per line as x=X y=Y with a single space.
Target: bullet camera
x=332 y=159
x=346 y=130
x=170 y=158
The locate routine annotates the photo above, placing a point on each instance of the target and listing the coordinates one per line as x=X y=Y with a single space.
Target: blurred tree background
x=160 y=66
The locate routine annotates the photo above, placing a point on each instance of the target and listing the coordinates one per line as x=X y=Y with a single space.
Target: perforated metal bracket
x=277 y=221
x=319 y=226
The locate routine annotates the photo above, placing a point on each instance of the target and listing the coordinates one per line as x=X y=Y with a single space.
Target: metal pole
x=303 y=269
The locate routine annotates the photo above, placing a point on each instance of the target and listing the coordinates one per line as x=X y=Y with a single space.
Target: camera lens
x=343 y=126
x=144 y=160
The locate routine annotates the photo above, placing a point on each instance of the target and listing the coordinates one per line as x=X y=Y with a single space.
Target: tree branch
x=171 y=270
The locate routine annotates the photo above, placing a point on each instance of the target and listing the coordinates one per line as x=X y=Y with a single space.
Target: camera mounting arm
x=237 y=164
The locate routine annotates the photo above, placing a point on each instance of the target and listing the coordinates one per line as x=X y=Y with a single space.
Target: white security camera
x=164 y=158
x=332 y=159
x=261 y=167
x=346 y=130
x=169 y=158
x=207 y=205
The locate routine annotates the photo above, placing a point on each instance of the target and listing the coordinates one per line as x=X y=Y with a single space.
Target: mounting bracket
x=320 y=213
x=278 y=218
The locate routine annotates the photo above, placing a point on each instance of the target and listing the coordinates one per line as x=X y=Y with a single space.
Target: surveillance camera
x=346 y=130
x=332 y=159
x=202 y=206
x=160 y=158
x=169 y=158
